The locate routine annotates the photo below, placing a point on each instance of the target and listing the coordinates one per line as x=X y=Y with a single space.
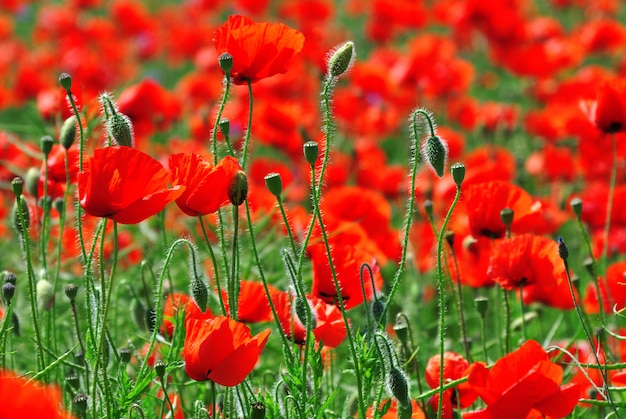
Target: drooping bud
x=274 y=184
x=8 y=291
x=46 y=143
x=238 y=191
x=340 y=59
x=118 y=126
x=458 y=173
x=435 y=153
x=21 y=215
x=225 y=61
x=577 y=206
x=311 y=152
x=398 y=386
x=377 y=309
x=66 y=81
x=199 y=292
x=67 y=135
x=224 y=126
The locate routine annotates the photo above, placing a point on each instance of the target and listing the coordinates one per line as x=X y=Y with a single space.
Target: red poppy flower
x=23 y=398
x=206 y=187
x=221 y=350
x=253 y=305
x=259 y=50
x=520 y=384
x=612 y=289
x=124 y=184
x=348 y=261
x=534 y=262
x=608 y=111
x=454 y=367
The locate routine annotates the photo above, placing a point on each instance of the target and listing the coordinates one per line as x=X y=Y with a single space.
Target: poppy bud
x=301 y=306
x=274 y=184
x=66 y=81
x=21 y=215
x=32 y=181
x=17 y=184
x=398 y=386
x=435 y=153
x=428 y=208
x=8 y=291
x=458 y=173
x=482 y=303
x=72 y=381
x=46 y=143
x=45 y=294
x=377 y=308
x=199 y=293
x=67 y=135
x=401 y=327
x=577 y=206
x=311 y=152
x=159 y=368
x=125 y=354
x=70 y=291
x=506 y=215
x=8 y=276
x=225 y=61
x=59 y=205
x=238 y=191
x=224 y=126
x=563 y=252
x=257 y=410
x=340 y=59
x=120 y=129
x=80 y=402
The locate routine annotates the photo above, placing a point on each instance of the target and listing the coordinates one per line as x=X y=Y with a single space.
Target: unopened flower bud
x=120 y=128
x=274 y=184
x=8 y=291
x=238 y=191
x=21 y=215
x=59 y=205
x=45 y=294
x=341 y=58
x=66 y=81
x=125 y=354
x=17 y=184
x=70 y=291
x=199 y=293
x=563 y=252
x=257 y=410
x=398 y=386
x=458 y=173
x=577 y=206
x=377 y=309
x=67 y=135
x=428 y=208
x=8 y=276
x=225 y=61
x=506 y=215
x=46 y=142
x=435 y=153
x=32 y=181
x=224 y=126
x=482 y=303
x=301 y=306
x=311 y=152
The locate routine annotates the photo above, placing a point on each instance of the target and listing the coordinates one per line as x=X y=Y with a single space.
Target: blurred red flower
x=522 y=384
x=221 y=350
x=259 y=50
x=23 y=398
x=454 y=367
x=124 y=184
x=608 y=111
x=205 y=186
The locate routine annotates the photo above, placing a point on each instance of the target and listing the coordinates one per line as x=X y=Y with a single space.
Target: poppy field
x=313 y=209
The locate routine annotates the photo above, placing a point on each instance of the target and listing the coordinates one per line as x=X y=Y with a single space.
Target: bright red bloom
x=259 y=50
x=206 y=187
x=124 y=184
x=454 y=367
x=253 y=305
x=534 y=263
x=22 y=398
x=221 y=350
x=612 y=289
x=522 y=384
x=347 y=261
x=608 y=111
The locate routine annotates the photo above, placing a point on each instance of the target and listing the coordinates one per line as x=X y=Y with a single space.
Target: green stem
x=289 y=233
x=233 y=288
x=507 y=321
x=246 y=142
x=329 y=82
x=215 y=265
x=609 y=205
x=220 y=111
x=442 y=302
x=523 y=309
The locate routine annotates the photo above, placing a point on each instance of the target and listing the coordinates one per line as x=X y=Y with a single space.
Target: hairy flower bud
x=340 y=59
x=67 y=135
x=398 y=386
x=238 y=191
x=435 y=153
